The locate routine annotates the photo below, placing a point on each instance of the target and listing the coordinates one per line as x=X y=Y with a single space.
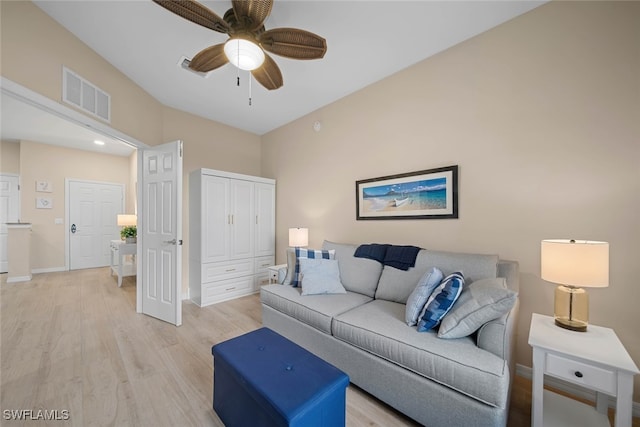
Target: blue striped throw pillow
x=441 y=301
x=308 y=253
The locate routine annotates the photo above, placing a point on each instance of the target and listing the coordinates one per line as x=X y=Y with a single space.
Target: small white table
x=595 y=359
x=274 y=272
x=119 y=250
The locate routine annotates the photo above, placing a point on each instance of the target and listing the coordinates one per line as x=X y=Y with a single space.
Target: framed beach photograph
x=427 y=194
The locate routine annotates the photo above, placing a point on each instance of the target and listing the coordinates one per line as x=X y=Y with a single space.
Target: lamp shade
x=244 y=54
x=298 y=237
x=579 y=263
x=126 y=220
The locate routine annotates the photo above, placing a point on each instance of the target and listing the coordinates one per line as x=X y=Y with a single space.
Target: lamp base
x=571 y=309
x=572 y=325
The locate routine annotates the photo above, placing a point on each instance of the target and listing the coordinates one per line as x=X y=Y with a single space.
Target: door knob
x=170 y=242
x=73 y=228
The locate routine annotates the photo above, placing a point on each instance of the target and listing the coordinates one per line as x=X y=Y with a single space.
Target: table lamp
x=298 y=237
x=126 y=220
x=574 y=264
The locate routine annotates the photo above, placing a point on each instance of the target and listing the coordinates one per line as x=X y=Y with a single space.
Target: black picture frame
x=425 y=194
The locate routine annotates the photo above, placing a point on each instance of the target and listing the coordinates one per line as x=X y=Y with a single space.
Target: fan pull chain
x=249 y=88
x=238 y=68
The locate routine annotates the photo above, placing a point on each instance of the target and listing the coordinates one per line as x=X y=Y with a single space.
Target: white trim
x=48 y=270
x=18 y=279
x=526 y=372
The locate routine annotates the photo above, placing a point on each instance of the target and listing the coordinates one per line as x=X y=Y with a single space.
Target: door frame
x=67 y=209
x=24 y=94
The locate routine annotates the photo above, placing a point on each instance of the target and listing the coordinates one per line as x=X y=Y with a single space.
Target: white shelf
x=561 y=411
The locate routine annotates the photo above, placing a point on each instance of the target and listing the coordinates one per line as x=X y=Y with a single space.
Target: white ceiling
x=367 y=41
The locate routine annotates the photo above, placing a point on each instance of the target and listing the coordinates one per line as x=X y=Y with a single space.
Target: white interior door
x=9 y=212
x=93 y=208
x=160 y=243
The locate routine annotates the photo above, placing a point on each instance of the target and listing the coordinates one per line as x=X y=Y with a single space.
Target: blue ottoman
x=263 y=379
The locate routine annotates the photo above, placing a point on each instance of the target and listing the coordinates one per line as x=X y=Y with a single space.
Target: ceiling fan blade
x=209 y=59
x=195 y=12
x=293 y=43
x=268 y=75
x=252 y=13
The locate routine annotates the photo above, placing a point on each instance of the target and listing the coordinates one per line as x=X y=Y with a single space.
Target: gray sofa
x=437 y=382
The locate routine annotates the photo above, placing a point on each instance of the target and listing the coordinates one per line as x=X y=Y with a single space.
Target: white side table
x=118 y=251
x=595 y=359
x=274 y=272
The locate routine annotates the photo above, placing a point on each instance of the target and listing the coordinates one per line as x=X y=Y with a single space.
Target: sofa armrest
x=498 y=336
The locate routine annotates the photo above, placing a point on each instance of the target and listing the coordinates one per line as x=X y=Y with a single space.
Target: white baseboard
x=48 y=270
x=18 y=279
x=525 y=372
x=185 y=295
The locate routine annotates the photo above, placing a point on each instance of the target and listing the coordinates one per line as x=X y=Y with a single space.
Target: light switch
x=59 y=221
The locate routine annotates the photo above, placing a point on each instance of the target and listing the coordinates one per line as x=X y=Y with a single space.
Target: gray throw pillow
x=416 y=301
x=480 y=302
x=320 y=276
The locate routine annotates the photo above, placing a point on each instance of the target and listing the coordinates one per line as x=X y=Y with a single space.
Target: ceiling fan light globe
x=244 y=54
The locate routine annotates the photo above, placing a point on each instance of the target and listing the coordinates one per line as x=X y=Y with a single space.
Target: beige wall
x=212 y=145
x=542 y=115
x=132 y=202
x=10 y=157
x=41 y=162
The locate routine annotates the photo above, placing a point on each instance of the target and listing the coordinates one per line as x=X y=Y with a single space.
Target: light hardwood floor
x=73 y=341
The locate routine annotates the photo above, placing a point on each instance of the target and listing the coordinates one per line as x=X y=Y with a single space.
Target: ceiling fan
x=248 y=39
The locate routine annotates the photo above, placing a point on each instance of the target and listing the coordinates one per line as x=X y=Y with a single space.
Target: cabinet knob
x=578 y=374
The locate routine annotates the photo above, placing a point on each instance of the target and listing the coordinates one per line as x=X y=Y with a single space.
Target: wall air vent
x=84 y=95
x=184 y=63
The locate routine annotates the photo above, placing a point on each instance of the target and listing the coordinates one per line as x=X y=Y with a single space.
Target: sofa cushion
x=320 y=276
x=314 y=310
x=482 y=301
x=379 y=328
x=441 y=301
x=396 y=285
x=359 y=275
x=418 y=298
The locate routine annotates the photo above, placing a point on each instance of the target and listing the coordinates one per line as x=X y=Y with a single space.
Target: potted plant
x=129 y=233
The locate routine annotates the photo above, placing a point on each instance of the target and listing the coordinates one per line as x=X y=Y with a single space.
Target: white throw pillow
x=320 y=276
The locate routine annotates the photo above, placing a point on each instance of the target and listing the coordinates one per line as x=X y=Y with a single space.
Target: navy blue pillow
x=441 y=301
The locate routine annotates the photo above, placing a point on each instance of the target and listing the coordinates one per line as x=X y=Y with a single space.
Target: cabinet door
x=216 y=218
x=265 y=219
x=242 y=227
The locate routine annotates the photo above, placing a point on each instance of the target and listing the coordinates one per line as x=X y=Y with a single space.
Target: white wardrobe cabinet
x=231 y=234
